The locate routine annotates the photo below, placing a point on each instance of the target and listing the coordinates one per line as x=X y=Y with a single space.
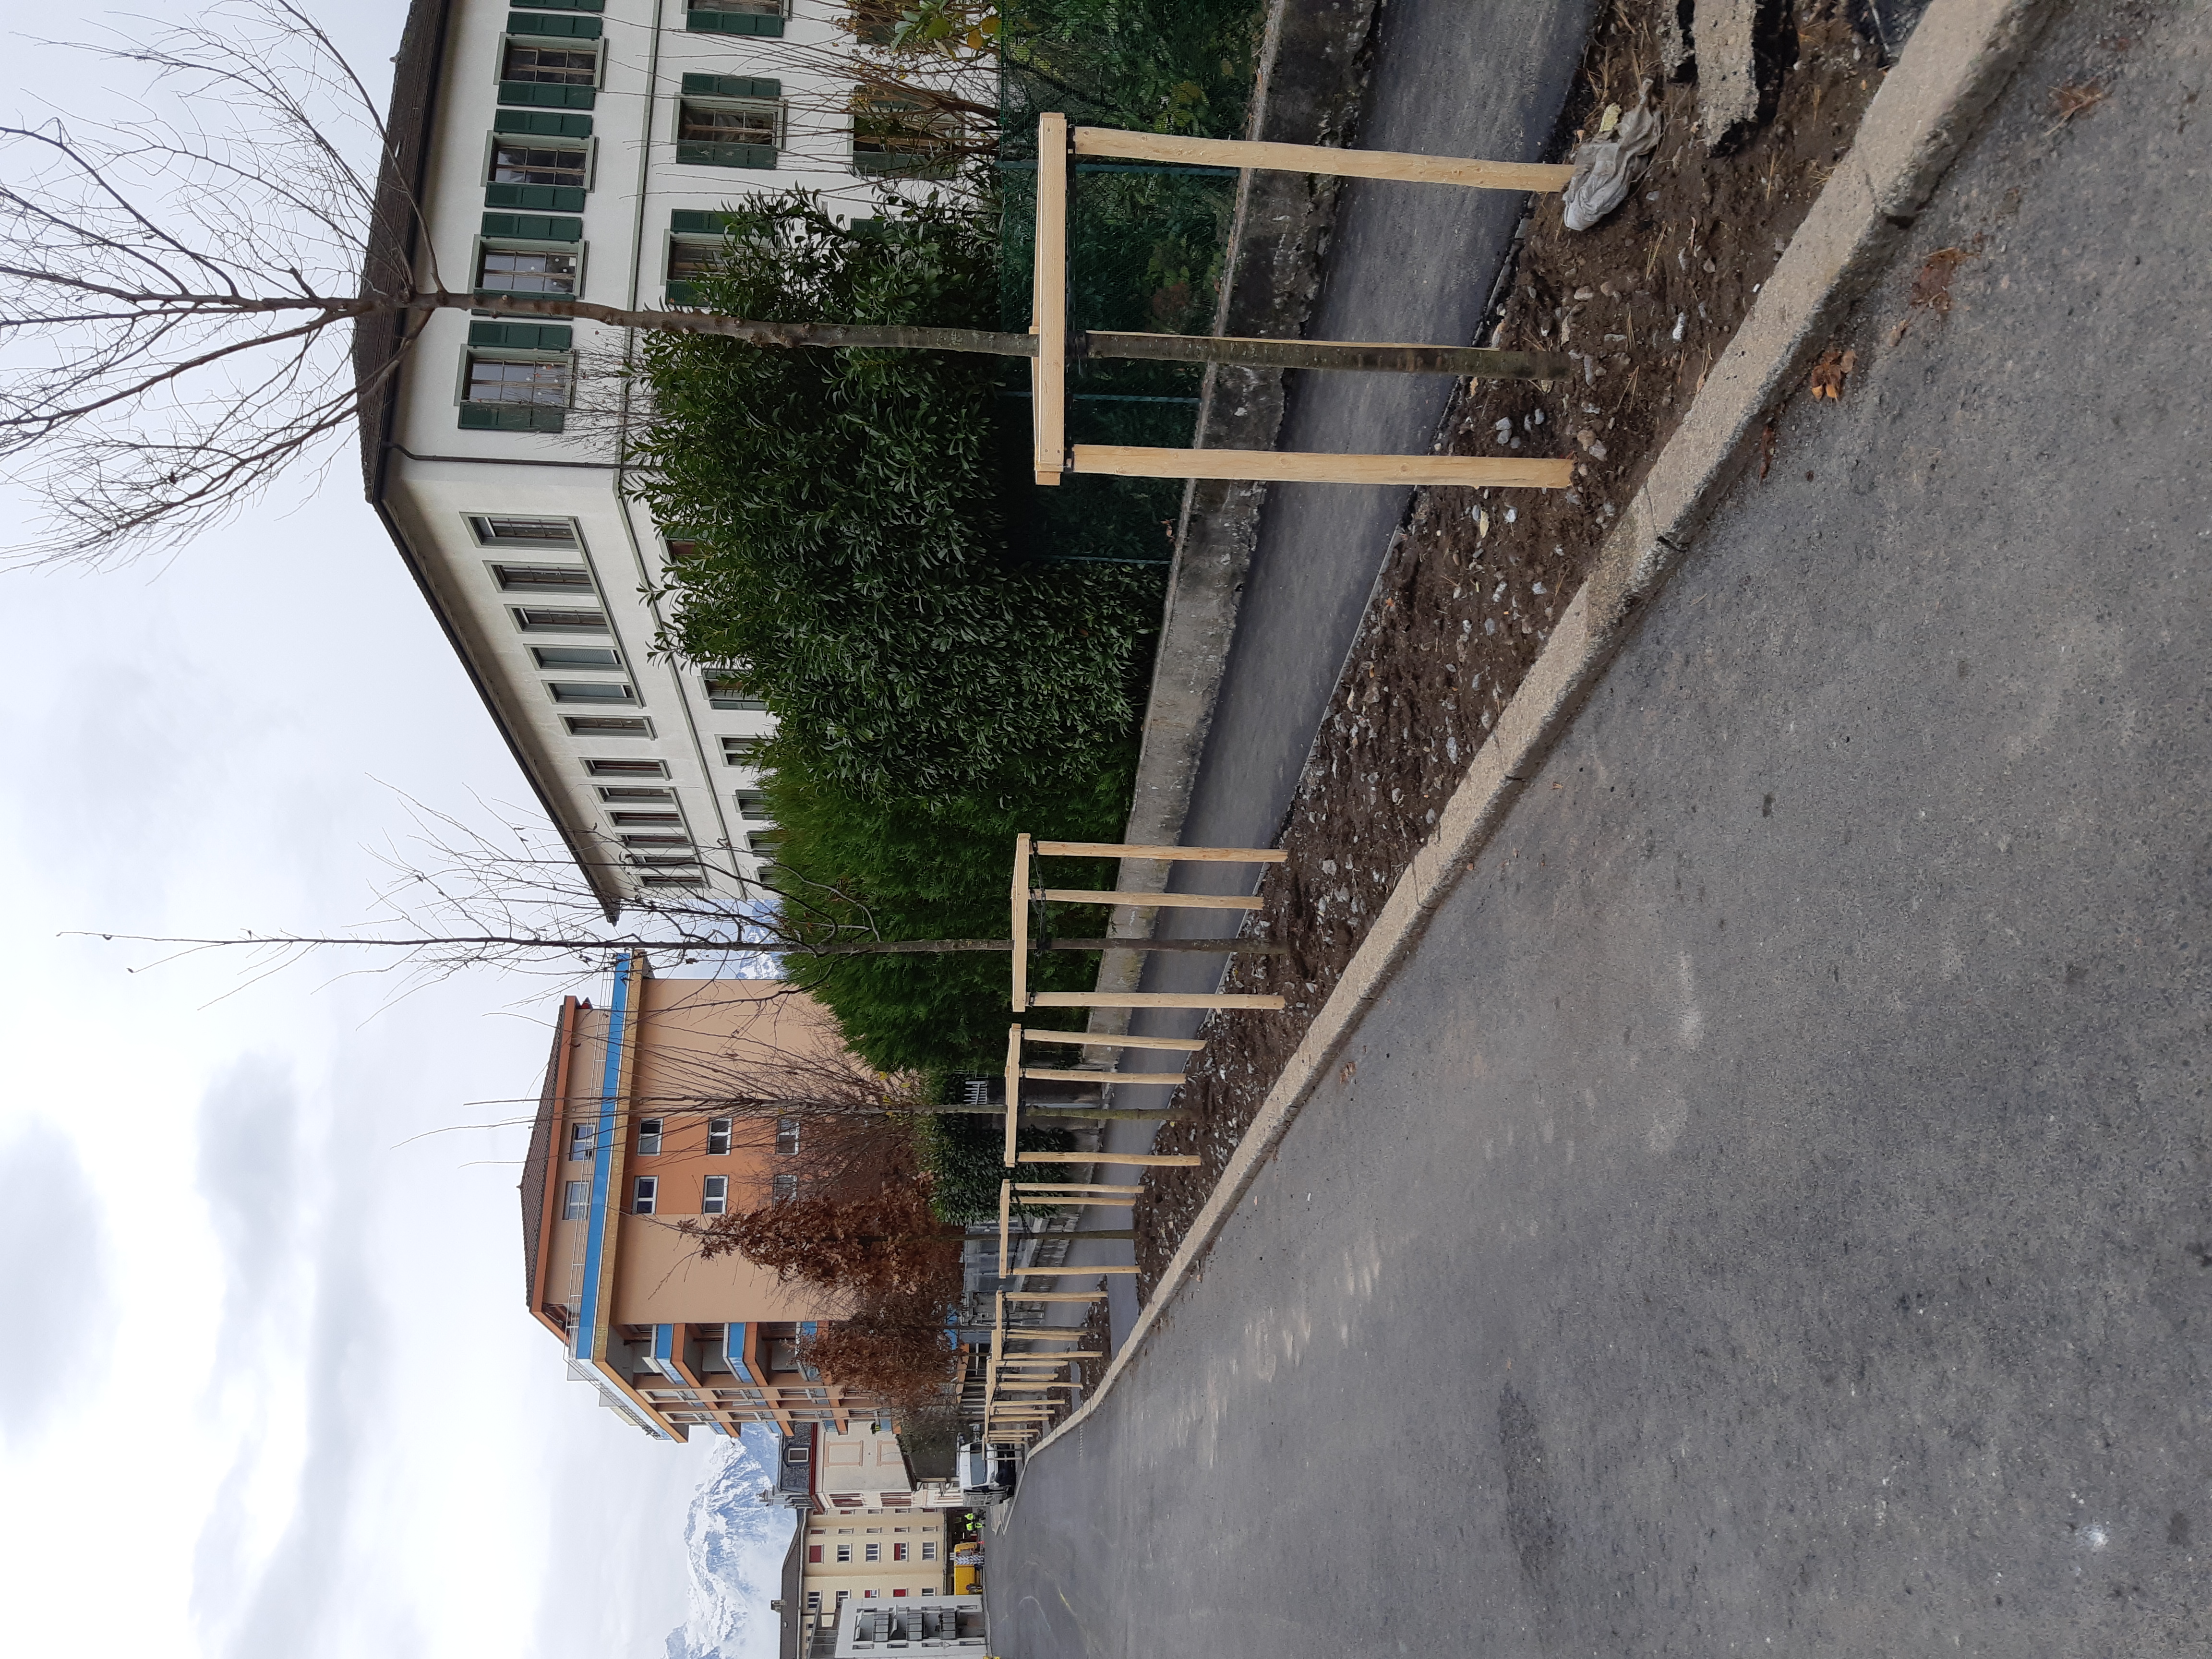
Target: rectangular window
x=897 y=136
x=538 y=619
x=898 y=1552
x=504 y=529
x=553 y=66
x=656 y=840
x=583 y=1142
x=689 y=258
x=844 y=1552
x=648 y=1136
x=736 y=134
x=717 y=1135
x=575 y=1200
x=716 y=1197
x=626 y=768
x=741 y=751
x=753 y=17
x=726 y=691
x=868 y=1595
x=591 y=691
x=640 y=820
x=643 y=1192
x=608 y=725
x=674 y=861
x=762 y=846
x=784 y=1187
x=752 y=804
x=518 y=383
x=542 y=578
x=872 y=1551
x=898 y=1592
x=527 y=270
x=929 y=1551
x=575 y=656
x=696 y=879
x=522 y=162
x=634 y=792
x=786 y=1136
x=814 y=1599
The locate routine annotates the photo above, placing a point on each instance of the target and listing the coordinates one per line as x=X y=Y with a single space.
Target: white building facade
x=582 y=147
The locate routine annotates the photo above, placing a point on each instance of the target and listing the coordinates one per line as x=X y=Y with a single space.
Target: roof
x=537 y=1163
x=790 y=1631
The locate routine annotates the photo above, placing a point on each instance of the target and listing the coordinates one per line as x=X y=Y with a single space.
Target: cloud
x=56 y=1280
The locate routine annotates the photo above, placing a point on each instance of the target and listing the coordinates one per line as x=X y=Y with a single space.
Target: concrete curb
x=1960 y=58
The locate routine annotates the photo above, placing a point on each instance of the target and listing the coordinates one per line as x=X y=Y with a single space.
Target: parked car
x=986 y=1471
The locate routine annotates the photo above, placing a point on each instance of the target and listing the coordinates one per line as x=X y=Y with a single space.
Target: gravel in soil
x=1645 y=303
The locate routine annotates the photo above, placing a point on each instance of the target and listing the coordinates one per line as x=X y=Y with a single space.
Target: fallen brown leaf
x=1830 y=372
x=1931 y=286
x=2075 y=98
x=1765 y=448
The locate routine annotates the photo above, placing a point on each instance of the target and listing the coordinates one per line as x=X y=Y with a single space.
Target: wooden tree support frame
x=1055 y=456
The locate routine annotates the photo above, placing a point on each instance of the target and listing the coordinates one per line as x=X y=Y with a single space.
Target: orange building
x=636 y=1132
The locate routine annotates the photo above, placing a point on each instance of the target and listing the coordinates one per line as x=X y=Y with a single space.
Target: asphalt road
x=1406 y=262
x=1772 y=1211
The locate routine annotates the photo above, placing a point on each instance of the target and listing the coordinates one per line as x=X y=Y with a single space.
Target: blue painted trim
x=733 y=1352
x=587 y=1317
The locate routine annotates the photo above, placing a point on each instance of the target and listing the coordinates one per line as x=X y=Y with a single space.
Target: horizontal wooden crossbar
x=1116 y=849
x=1072 y=1186
x=1150 y=999
x=1076 y=1039
x=1050 y=1074
x=1315 y=158
x=1071 y=1272
x=1166 y=900
x=1306 y=466
x=1158 y=1160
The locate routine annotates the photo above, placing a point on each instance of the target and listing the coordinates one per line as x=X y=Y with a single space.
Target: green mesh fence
x=1146 y=245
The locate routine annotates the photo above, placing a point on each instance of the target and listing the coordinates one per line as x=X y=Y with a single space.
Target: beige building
x=628 y=1143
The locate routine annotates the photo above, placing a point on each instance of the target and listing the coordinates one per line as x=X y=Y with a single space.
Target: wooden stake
x=1049 y=370
x=1315 y=158
x=1341 y=357
x=1047 y=1074
x=1074 y=1273
x=1054 y=1296
x=1146 y=901
x=1149 y=999
x=1152 y=1160
x=1006 y=1208
x=1021 y=929
x=1014 y=1077
x=1115 y=849
x=1296 y=466
x=1077 y=1040
x=1072 y=1186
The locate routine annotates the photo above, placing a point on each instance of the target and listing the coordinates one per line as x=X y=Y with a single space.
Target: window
x=634 y=792
x=643 y=1193
x=784 y=1187
x=893 y=135
x=871 y=1552
x=929 y=1551
x=575 y=656
x=608 y=725
x=648 y=1136
x=626 y=768
x=556 y=66
x=576 y=1199
x=814 y=1599
x=755 y=17
x=583 y=1142
x=898 y=1592
x=673 y=820
x=869 y=1596
x=497 y=529
x=844 y=1552
x=715 y=1197
x=762 y=847
x=689 y=258
x=527 y=270
x=535 y=619
x=591 y=691
x=542 y=578
x=752 y=804
x=523 y=161
x=671 y=860
x=518 y=382
x=736 y=133
x=741 y=751
x=696 y=879
x=898 y=1552
x=786 y=1135
x=726 y=690
x=656 y=840
x=717 y=1135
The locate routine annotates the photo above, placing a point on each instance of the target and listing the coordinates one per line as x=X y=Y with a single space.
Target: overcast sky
x=267 y=1387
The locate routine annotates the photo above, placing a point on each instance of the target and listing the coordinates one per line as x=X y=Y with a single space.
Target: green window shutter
x=731 y=85
x=521 y=336
x=542 y=124
x=690 y=221
x=559 y=198
x=510 y=417
x=557 y=27
x=726 y=155
x=533 y=227
x=730 y=22
x=537 y=95
x=559 y=5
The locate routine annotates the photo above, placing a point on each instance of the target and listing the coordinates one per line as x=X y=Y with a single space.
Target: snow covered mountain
x=736 y=1545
